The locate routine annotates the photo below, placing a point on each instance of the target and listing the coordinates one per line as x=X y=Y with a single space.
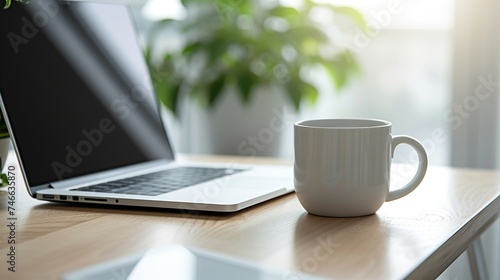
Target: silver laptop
x=85 y=121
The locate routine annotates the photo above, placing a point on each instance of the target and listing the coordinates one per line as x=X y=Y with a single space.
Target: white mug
x=342 y=166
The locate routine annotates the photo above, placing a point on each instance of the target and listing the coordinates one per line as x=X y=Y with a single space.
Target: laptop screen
x=76 y=90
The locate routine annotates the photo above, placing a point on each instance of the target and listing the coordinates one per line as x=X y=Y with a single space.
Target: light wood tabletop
x=415 y=237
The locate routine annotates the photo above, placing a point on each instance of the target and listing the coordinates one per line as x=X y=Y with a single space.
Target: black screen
x=76 y=90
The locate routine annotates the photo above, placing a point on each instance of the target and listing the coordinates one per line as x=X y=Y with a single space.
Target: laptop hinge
x=33 y=190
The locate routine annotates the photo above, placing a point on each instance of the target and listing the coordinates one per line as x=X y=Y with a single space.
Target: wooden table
x=415 y=237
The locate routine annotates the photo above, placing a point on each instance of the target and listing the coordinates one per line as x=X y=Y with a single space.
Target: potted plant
x=246 y=47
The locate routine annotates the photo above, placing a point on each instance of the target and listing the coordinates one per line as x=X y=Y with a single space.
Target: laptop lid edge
x=12 y=136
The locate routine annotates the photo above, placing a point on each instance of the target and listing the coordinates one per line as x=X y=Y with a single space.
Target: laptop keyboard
x=161 y=182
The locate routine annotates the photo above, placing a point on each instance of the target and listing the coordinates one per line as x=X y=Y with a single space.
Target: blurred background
x=405 y=57
x=429 y=67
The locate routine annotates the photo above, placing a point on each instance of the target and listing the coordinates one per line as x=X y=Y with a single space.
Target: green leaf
x=160 y=25
x=294 y=91
x=215 y=90
x=354 y=14
x=187 y=2
x=282 y=12
x=245 y=83
x=169 y=95
x=5 y=180
x=192 y=47
x=148 y=54
x=166 y=21
x=303 y=33
x=337 y=73
x=298 y=89
x=217 y=48
x=228 y=5
x=310 y=91
x=7 y=4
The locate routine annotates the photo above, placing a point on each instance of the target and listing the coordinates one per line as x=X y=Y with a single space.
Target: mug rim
x=364 y=123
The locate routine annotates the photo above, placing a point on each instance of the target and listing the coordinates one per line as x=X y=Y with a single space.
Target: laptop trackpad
x=230 y=190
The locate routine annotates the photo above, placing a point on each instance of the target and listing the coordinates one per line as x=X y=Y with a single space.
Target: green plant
x=242 y=43
x=8 y=3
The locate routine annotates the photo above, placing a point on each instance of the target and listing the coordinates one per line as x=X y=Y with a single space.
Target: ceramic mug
x=342 y=166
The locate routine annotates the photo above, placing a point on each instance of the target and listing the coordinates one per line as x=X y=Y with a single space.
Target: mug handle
x=422 y=166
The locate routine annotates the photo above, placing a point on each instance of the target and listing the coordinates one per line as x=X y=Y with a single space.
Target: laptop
x=85 y=121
